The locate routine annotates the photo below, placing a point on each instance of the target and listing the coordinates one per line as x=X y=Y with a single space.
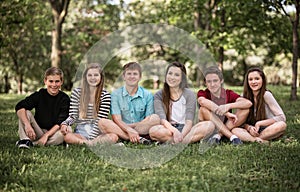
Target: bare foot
x=262 y=141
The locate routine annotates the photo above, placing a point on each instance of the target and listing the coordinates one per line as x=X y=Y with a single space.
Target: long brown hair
x=260 y=101
x=85 y=92
x=166 y=89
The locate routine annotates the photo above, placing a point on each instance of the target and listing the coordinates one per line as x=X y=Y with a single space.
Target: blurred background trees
x=238 y=35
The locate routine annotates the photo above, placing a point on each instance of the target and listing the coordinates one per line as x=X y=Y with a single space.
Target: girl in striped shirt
x=89 y=104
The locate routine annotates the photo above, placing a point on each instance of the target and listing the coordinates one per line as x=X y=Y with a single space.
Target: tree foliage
x=25 y=42
x=238 y=34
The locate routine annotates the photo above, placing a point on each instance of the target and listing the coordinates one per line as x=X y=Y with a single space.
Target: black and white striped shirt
x=74 y=112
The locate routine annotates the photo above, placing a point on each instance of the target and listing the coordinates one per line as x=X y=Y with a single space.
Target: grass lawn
x=250 y=167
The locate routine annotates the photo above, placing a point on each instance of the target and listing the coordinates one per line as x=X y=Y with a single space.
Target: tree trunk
x=19 y=74
x=295 y=23
x=59 y=12
x=196 y=16
x=196 y=28
x=221 y=48
x=245 y=68
x=20 y=83
x=7 y=85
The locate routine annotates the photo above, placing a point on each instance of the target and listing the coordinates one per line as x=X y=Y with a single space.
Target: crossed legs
x=223 y=129
x=271 y=132
x=75 y=138
x=197 y=132
x=55 y=139
x=142 y=127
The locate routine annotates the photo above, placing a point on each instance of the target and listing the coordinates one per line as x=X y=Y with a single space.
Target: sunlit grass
x=250 y=167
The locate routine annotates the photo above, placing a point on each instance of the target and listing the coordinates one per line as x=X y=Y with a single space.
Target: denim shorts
x=261 y=128
x=84 y=130
x=178 y=126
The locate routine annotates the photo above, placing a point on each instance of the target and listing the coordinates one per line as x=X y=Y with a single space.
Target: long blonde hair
x=85 y=92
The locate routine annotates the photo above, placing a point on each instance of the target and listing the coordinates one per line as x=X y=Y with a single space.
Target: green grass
x=250 y=167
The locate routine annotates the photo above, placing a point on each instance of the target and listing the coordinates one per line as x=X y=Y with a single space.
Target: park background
x=37 y=34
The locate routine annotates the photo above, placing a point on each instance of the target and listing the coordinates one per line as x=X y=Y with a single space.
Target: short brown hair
x=213 y=70
x=54 y=71
x=132 y=66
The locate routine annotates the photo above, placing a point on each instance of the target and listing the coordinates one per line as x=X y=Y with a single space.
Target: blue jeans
x=84 y=130
x=178 y=126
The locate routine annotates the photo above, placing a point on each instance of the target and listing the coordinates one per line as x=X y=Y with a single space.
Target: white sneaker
x=119 y=144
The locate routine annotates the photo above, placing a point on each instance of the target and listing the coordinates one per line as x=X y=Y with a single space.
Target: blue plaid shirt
x=132 y=108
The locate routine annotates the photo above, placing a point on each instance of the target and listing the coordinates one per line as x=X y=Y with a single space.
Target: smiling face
x=213 y=84
x=53 y=84
x=131 y=77
x=93 y=77
x=255 y=81
x=174 y=77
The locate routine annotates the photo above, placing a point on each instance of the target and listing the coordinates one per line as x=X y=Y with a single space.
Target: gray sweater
x=191 y=103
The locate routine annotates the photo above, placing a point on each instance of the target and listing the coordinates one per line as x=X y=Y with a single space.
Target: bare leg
x=273 y=131
x=244 y=135
x=242 y=117
x=108 y=126
x=74 y=138
x=207 y=115
x=105 y=138
x=160 y=133
x=143 y=127
x=199 y=131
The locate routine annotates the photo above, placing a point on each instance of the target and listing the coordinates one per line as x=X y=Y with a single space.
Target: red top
x=226 y=96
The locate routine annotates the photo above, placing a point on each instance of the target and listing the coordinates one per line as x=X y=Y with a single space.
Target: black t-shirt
x=49 y=110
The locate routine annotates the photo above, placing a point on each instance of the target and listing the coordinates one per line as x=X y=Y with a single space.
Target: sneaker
x=24 y=143
x=157 y=143
x=66 y=145
x=145 y=141
x=213 y=141
x=236 y=141
x=119 y=144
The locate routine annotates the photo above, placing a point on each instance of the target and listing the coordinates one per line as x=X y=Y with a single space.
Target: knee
x=203 y=111
x=155 y=119
x=154 y=131
x=236 y=131
x=29 y=114
x=103 y=124
x=67 y=137
x=282 y=126
x=113 y=137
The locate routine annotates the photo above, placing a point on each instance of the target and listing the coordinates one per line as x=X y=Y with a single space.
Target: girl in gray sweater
x=176 y=104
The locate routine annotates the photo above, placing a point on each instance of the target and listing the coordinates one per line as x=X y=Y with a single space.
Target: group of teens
x=139 y=117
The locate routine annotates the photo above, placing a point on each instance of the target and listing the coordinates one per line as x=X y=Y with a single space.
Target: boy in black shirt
x=51 y=108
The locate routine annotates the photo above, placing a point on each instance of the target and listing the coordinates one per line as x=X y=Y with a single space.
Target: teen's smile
x=255 y=81
x=174 y=77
